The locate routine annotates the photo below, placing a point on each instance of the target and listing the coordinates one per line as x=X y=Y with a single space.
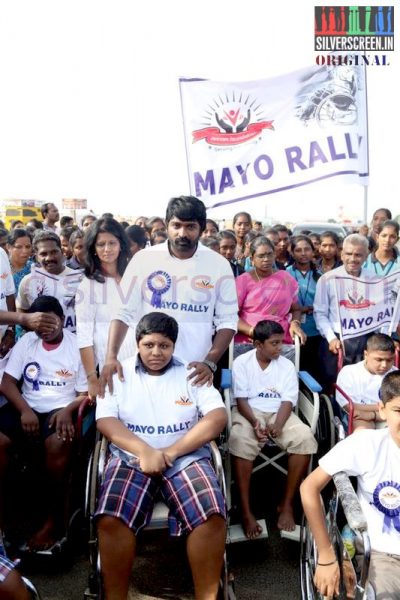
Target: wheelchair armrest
x=226 y=379
x=217 y=464
x=351 y=506
x=310 y=382
x=216 y=456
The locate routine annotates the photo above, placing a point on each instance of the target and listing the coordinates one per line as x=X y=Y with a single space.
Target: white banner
x=248 y=139
x=367 y=305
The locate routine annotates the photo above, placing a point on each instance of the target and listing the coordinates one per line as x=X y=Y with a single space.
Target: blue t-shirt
x=373 y=266
x=307 y=287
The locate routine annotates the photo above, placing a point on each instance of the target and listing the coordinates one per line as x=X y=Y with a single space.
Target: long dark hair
x=304 y=238
x=92 y=262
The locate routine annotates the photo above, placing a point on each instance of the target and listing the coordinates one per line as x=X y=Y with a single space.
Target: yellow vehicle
x=25 y=212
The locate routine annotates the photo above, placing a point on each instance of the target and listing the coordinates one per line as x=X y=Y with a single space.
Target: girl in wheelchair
x=374 y=457
x=39 y=417
x=158 y=444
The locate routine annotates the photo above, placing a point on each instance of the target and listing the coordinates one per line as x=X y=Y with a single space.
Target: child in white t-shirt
x=374 y=457
x=158 y=444
x=265 y=388
x=362 y=381
x=53 y=384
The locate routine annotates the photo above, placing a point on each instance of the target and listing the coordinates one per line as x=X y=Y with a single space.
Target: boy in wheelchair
x=374 y=457
x=39 y=415
x=265 y=388
x=158 y=444
x=363 y=380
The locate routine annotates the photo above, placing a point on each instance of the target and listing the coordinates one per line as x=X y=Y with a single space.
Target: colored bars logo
x=356 y=28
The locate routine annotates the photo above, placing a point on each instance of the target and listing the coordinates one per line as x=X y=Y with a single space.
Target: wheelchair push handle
x=86 y=406
x=340 y=359
x=350 y=402
x=350 y=503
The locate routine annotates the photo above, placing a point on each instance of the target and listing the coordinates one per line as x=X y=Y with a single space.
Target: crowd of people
x=139 y=317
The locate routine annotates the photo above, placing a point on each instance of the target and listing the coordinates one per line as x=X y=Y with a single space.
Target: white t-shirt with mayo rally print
x=374 y=457
x=199 y=292
x=51 y=378
x=267 y=388
x=158 y=409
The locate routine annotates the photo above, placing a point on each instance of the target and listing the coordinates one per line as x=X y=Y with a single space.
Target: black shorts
x=10 y=423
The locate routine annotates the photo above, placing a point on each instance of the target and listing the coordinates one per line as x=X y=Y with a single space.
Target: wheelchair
x=308 y=409
x=158 y=522
x=342 y=508
x=24 y=474
x=32 y=589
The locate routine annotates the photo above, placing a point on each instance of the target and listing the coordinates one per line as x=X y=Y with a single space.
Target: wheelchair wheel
x=32 y=589
x=308 y=559
x=95 y=589
x=227 y=583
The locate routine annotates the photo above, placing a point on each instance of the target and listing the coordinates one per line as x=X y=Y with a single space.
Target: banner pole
x=365 y=204
x=367 y=126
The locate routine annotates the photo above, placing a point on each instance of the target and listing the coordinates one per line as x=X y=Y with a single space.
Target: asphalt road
x=262 y=569
x=267 y=568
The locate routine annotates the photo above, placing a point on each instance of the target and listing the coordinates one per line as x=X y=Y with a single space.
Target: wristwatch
x=210 y=364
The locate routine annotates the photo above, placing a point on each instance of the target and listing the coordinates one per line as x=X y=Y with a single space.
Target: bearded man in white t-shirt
x=187 y=281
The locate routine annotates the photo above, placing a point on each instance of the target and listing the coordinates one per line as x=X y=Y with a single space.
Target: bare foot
x=250 y=526
x=44 y=538
x=286 y=518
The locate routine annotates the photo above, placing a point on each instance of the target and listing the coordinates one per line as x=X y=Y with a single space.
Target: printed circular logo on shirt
x=158 y=283
x=31 y=374
x=386 y=498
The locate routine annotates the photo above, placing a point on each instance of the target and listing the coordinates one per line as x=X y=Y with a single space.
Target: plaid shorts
x=192 y=496
x=6 y=567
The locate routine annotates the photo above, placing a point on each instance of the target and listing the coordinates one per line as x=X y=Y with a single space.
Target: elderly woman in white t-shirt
x=107 y=255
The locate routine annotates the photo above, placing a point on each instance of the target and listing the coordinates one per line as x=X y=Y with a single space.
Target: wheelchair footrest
x=88 y=595
x=55 y=550
x=236 y=533
x=292 y=535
